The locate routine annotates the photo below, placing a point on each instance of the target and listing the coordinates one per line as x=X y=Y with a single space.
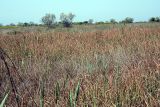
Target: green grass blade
x=94 y=100
x=70 y=99
x=57 y=93
x=42 y=95
x=77 y=93
x=4 y=100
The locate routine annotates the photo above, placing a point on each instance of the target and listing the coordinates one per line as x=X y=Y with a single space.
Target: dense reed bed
x=117 y=67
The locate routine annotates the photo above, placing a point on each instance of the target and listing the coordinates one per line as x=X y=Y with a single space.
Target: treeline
x=154 y=19
x=66 y=20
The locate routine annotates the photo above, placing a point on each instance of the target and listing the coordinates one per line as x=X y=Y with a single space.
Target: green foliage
x=20 y=24
x=101 y=22
x=77 y=92
x=128 y=20
x=57 y=92
x=25 y=24
x=49 y=20
x=90 y=21
x=157 y=19
x=4 y=100
x=32 y=24
x=154 y=19
x=42 y=94
x=70 y=99
x=113 y=21
x=66 y=19
x=12 y=24
x=8 y=27
x=73 y=101
x=78 y=23
x=85 y=22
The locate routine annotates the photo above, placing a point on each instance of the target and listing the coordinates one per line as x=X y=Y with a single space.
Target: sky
x=14 y=11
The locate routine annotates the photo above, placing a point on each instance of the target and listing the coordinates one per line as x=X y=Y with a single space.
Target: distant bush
x=157 y=19
x=90 y=21
x=154 y=19
x=107 y=22
x=78 y=23
x=20 y=24
x=26 y=24
x=113 y=21
x=49 y=20
x=85 y=22
x=101 y=22
x=66 y=19
x=32 y=24
x=12 y=24
x=128 y=20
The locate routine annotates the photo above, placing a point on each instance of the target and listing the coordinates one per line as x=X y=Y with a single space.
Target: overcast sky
x=98 y=10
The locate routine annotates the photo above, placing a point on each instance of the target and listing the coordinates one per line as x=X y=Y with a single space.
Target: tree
x=85 y=22
x=100 y=22
x=157 y=19
x=128 y=20
x=152 y=19
x=107 y=22
x=113 y=21
x=79 y=23
x=20 y=24
x=90 y=21
x=25 y=24
x=66 y=19
x=32 y=23
x=12 y=24
x=49 y=20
